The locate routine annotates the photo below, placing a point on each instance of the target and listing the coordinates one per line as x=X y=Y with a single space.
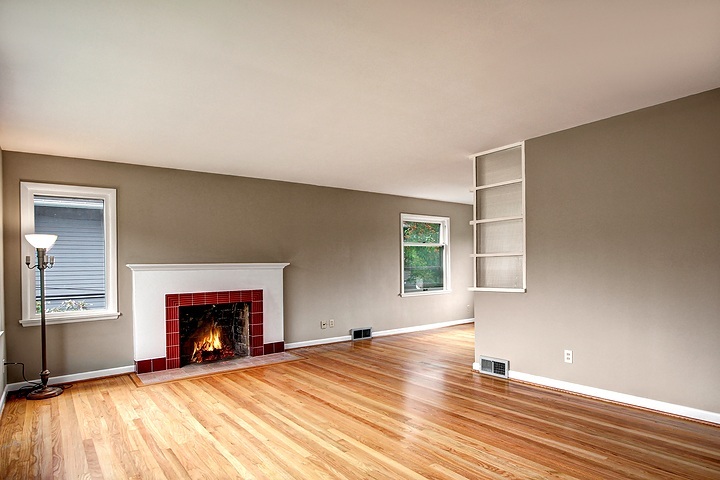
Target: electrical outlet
x=331 y=323
x=323 y=323
x=568 y=356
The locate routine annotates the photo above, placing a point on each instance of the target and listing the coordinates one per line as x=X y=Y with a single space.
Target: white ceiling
x=386 y=96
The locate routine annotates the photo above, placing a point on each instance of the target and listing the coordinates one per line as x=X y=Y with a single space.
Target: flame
x=210 y=342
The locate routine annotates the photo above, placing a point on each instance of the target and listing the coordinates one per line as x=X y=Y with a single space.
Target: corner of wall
x=3 y=376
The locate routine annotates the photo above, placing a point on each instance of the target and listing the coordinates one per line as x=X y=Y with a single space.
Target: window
x=82 y=285
x=499 y=220
x=425 y=254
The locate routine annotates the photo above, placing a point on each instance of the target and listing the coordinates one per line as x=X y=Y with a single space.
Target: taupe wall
x=3 y=376
x=623 y=244
x=343 y=247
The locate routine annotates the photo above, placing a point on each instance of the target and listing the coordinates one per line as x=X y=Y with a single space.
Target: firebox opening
x=210 y=333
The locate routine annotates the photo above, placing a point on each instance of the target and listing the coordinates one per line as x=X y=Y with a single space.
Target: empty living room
x=360 y=240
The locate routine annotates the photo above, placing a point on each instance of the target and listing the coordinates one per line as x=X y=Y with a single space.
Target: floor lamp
x=42 y=244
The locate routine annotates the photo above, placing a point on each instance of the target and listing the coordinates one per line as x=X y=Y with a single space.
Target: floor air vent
x=494 y=366
x=361 y=333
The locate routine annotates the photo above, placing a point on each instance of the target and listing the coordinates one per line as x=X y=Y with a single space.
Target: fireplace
x=156 y=306
x=210 y=333
x=176 y=302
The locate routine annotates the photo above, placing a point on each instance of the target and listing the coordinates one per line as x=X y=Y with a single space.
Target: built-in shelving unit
x=499 y=219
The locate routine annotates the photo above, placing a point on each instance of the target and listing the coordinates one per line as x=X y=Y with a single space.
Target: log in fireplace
x=213 y=332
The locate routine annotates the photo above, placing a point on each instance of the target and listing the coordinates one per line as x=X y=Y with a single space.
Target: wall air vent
x=494 y=366
x=361 y=333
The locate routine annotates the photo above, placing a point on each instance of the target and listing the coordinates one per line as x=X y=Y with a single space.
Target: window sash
x=425 y=277
x=79 y=278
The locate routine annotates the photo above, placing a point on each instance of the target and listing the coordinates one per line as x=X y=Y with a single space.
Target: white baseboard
x=75 y=377
x=2 y=400
x=420 y=328
x=665 y=407
x=380 y=333
x=320 y=341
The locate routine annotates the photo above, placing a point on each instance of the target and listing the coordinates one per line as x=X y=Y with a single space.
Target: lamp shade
x=38 y=240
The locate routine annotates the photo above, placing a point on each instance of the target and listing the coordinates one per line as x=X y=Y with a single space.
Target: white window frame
x=444 y=242
x=521 y=254
x=28 y=191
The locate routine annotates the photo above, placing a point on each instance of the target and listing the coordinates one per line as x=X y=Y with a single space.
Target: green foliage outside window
x=423 y=268
x=420 y=232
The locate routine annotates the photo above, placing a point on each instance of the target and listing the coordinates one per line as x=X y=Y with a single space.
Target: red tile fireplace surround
x=174 y=301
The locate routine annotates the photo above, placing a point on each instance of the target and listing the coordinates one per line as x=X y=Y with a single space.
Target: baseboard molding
x=380 y=333
x=420 y=328
x=320 y=341
x=2 y=400
x=664 y=407
x=76 y=377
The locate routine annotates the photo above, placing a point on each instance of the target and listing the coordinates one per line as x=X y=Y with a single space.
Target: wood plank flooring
x=400 y=407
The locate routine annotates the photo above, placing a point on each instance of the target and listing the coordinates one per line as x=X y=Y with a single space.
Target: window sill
x=506 y=290
x=425 y=292
x=71 y=318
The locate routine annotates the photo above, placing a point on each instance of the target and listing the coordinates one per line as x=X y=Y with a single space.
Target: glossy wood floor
x=401 y=407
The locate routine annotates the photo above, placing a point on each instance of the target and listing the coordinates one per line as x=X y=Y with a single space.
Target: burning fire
x=208 y=343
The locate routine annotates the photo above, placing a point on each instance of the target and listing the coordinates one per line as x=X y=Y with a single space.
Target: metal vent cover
x=361 y=333
x=495 y=367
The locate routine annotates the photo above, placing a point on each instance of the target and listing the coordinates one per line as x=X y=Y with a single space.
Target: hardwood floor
x=400 y=407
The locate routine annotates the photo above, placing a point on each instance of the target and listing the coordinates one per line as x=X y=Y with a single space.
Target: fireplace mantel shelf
x=164 y=267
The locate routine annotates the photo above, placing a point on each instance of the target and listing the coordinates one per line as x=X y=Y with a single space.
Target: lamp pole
x=42 y=244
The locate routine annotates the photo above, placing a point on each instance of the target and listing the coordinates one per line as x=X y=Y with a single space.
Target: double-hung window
x=425 y=254
x=82 y=284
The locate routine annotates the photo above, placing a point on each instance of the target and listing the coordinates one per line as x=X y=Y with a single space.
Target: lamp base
x=44 y=392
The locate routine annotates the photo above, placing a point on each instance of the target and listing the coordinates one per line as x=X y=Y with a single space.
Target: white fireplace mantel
x=151 y=282
x=162 y=267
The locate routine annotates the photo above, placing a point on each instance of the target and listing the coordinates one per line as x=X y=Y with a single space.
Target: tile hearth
x=204 y=369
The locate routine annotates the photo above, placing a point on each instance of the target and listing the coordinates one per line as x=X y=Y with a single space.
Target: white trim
x=524 y=214
x=499 y=184
x=474 y=220
x=498 y=149
x=665 y=407
x=162 y=267
x=381 y=333
x=77 y=377
x=28 y=190
x=496 y=220
x=420 y=328
x=2 y=400
x=73 y=317
x=319 y=341
x=504 y=290
x=421 y=293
